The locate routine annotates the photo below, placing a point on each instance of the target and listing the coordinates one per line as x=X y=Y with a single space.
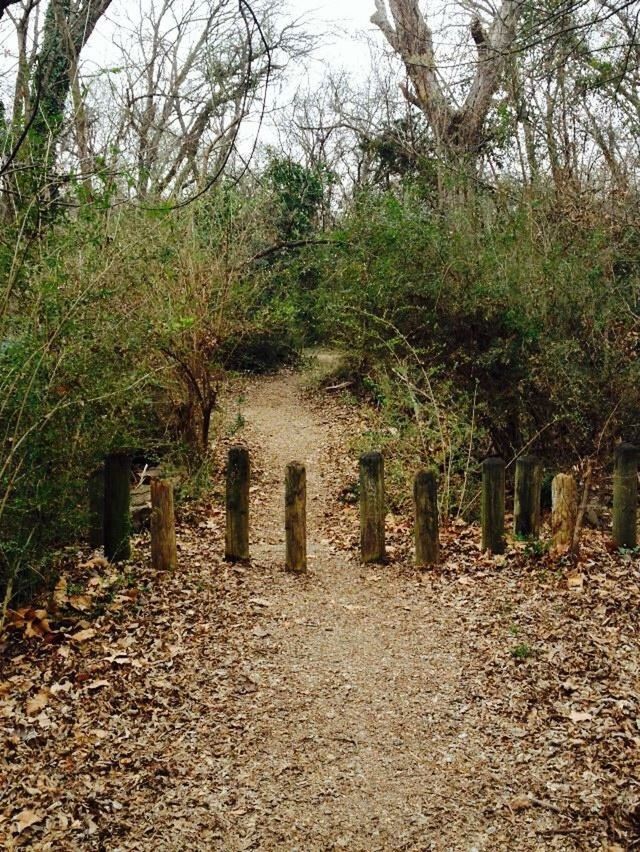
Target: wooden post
x=625 y=496
x=564 y=511
x=296 y=517
x=164 y=554
x=372 y=508
x=237 y=537
x=117 y=507
x=95 y=490
x=425 y=496
x=493 y=505
x=526 y=504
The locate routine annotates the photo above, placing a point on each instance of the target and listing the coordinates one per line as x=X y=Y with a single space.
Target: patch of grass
x=522 y=652
x=537 y=548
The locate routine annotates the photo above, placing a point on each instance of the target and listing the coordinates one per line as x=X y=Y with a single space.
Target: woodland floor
x=485 y=705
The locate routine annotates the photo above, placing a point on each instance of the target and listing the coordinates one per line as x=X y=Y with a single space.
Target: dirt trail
x=360 y=708
x=358 y=736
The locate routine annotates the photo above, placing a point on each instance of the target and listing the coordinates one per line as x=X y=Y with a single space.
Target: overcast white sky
x=338 y=22
x=339 y=26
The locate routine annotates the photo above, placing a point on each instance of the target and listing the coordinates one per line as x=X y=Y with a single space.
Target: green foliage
x=532 y=312
x=298 y=193
x=116 y=331
x=522 y=652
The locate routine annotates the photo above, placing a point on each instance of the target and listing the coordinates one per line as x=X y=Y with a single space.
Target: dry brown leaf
x=575 y=581
x=26 y=819
x=96 y=684
x=578 y=717
x=83 y=635
x=97 y=562
x=81 y=602
x=520 y=803
x=60 y=592
x=38 y=702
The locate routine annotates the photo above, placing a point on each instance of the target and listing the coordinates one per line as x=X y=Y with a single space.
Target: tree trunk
x=455 y=128
x=67 y=28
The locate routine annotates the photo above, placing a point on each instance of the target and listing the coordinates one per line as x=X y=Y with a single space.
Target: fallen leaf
x=260 y=602
x=520 y=803
x=81 y=602
x=577 y=717
x=98 y=562
x=38 y=702
x=60 y=592
x=26 y=819
x=575 y=581
x=97 y=684
x=84 y=635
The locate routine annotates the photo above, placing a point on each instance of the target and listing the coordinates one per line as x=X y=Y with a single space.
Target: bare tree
x=192 y=73
x=456 y=128
x=42 y=88
x=4 y=5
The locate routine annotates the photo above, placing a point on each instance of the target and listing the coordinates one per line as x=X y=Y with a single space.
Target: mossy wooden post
x=625 y=496
x=237 y=537
x=564 y=511
x=95 y=490
x=425 y=497
x=372 y=508
x=117 y=507
x=164 y=554
x=493 y=505
x=526 y=504
x=296 y=517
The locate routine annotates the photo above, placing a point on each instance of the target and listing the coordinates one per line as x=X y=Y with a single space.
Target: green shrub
x=117 y=329
x=496 y=310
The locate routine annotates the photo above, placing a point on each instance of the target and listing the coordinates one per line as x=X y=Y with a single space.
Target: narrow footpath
x=357 y=708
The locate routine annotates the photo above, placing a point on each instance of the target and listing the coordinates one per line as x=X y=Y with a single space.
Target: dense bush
x=117 y=329
x=505 y=313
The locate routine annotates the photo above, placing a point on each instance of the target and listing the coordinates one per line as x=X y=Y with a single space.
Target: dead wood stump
x=625 y=496
x=564 y=511
x=526 y=504
x=493 y=505
x=372 y=508
x=95 y=490
x=117 y=511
